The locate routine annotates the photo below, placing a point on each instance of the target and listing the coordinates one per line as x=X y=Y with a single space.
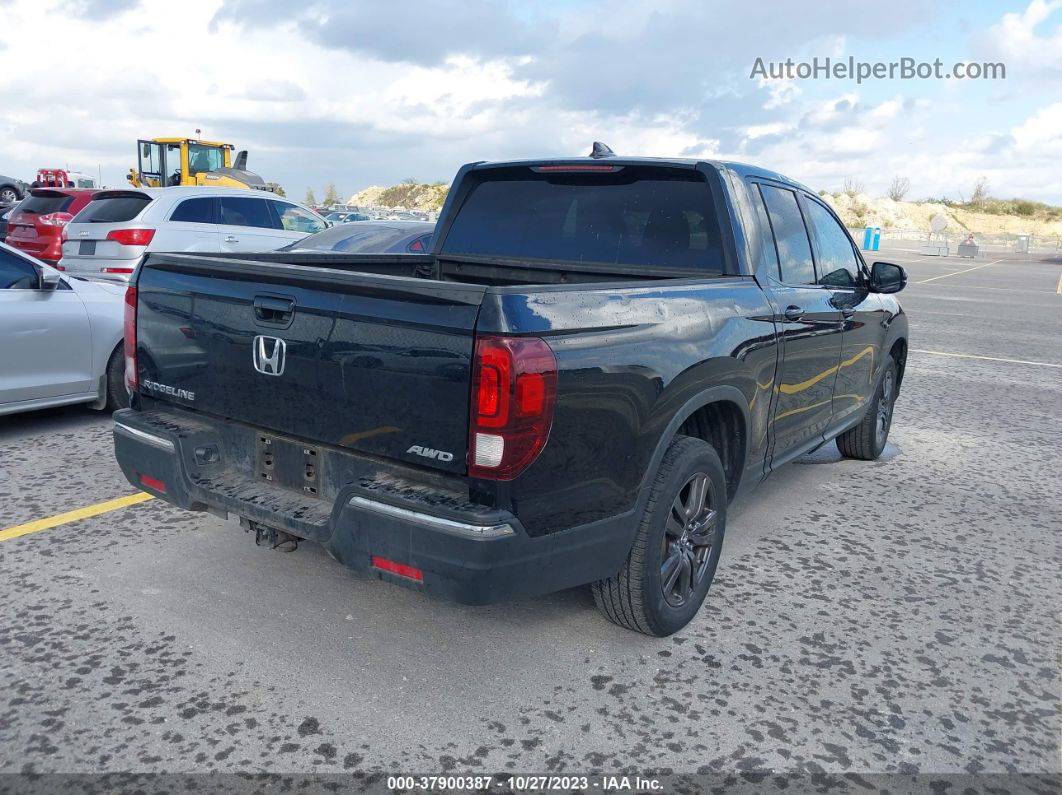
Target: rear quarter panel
x=631 y=359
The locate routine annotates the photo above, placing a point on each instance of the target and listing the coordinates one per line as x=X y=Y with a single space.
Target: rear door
x=810 y=326
x=47 y=344
x=375 y=363
x=192 y=225
x=248 y=223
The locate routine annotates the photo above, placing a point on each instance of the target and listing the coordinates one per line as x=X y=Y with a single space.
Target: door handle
x=273 y=309
x=793 y=312
x=848 y=311
x=232 y=239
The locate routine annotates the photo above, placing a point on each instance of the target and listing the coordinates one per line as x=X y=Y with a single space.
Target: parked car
x=346 y=217
x=370 y=237
x=61 y=178
x=5 y=213
x=12 y=190
x=62 y=338
x=36 y=226
x=110 y=235
x=608 y=352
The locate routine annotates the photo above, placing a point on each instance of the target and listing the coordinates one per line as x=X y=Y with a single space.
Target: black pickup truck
x=596 y=357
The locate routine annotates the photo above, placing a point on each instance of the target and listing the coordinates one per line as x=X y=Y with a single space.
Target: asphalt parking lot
x=898 y=616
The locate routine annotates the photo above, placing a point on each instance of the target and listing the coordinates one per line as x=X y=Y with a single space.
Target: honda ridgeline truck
x=598 y=355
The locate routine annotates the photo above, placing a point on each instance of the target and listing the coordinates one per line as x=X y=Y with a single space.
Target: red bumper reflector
x=116 y=270
x=152 y=483
x=401 y=569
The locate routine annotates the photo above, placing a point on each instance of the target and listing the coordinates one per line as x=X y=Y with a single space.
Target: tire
x=639 y=597
x=867 y=439
x=8 y=195
x=117 y=396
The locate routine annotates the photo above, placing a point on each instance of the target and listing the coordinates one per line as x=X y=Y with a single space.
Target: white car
x=61 y=337
x=109 y=236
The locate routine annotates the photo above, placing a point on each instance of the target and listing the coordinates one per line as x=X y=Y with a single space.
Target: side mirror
x=49 y=279
x=887 y=278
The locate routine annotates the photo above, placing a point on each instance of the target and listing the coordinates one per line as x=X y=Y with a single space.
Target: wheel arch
x=720 y=416
x=898 y=351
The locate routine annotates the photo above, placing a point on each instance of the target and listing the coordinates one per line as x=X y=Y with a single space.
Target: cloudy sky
x=359 y=92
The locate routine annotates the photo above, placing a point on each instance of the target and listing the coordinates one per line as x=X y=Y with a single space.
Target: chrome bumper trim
x=144 y=436
x=436 y=522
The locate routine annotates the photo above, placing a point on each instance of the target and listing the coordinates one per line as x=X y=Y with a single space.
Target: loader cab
x=165 y=162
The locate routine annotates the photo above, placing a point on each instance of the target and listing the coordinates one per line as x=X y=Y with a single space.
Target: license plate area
x=86 y=247
x=291 y=465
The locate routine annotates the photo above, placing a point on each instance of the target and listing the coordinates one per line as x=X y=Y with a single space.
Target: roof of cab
x=742 y=170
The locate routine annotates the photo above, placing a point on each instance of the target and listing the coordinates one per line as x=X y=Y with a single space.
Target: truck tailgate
x=379 y=364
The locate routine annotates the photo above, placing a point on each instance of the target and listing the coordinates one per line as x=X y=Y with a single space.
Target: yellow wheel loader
x=163 y=162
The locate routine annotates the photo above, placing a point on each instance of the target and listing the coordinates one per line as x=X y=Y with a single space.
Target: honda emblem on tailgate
x=268 y=355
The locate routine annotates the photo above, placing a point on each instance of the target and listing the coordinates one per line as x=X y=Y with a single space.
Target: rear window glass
x=112 y=209
x=195 y=210
x=42 y=205
x=637 y=216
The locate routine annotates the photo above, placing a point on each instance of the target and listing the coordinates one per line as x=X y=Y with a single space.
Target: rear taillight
x=514 y=390
x=56 y=219
x=131 y=237
x=132 y=380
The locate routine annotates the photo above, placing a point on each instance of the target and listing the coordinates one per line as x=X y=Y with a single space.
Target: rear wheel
x=117 y=396
x=867 y=439
x=8 y=195
x=676 y=550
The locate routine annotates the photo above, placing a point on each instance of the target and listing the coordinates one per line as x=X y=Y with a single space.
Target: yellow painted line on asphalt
x=72 y=516
x=956 y=273
x=985 y=358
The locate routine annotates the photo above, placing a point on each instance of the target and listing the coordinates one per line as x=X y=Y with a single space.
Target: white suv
x=107 y=238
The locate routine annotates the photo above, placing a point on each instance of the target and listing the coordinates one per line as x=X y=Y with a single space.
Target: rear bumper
x=93 y=268
x=44 y=248
x=468 y=553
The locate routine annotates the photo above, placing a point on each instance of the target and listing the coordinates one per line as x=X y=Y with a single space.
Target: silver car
x=61 y=338
x=109 y=236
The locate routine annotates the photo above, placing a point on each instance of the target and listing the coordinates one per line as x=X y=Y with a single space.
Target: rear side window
x=113 y=209
x=636 y=216
x=199 y=211
x=790 y=235
x=836 y=258
x=43 y=205
x=238 y=211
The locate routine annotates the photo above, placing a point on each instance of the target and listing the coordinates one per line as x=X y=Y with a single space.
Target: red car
x=36 y=224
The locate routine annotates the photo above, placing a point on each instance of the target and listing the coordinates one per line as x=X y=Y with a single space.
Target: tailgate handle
x=272 y=309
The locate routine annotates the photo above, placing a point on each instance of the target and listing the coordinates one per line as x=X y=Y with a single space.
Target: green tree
x=310 y=199
x=332 y=195
x=279 y=191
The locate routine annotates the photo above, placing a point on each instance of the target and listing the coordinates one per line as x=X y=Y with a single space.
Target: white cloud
x=1015 y=38
x=311 y=114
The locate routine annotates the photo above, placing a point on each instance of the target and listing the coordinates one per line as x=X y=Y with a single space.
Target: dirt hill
x=998 y=217
x=411 y=196
x=995 y=216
